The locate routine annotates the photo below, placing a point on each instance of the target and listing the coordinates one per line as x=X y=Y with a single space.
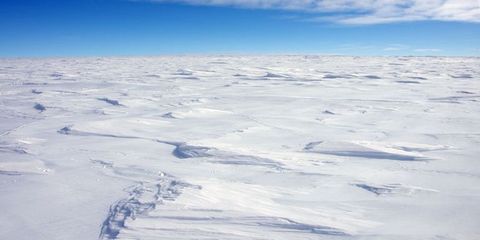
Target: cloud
x=427 y=50
x=363 y=11
x=395 y=47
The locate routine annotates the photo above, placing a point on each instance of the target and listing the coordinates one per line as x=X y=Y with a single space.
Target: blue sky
x=121 y=27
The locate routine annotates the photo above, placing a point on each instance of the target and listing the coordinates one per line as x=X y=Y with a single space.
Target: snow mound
x=188 y=151
x=195 y=113
x=110 y=101
x=461 y=76
x=275 y=75
x=371 y=150
x=39 y=107
x=388 y=189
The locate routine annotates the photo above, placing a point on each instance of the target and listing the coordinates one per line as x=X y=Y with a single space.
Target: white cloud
x=395 y=47
x=364 y=11
x=427 y=50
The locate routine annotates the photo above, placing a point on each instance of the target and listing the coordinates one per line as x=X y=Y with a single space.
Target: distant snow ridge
x=335 y=76
x=372 y=77
x=6 y=147
x=408 y=81
x=169 y=115
x=184 y=72
x=461 y=76
x=39 y=107
x=110 y=101
x=188 y=151
x=275 y=75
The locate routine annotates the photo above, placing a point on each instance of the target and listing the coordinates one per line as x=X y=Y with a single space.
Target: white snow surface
x=240 y=147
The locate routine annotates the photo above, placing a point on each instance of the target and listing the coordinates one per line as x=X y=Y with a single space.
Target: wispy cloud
x=364 y=11
x=427 y=50
x=395 y=47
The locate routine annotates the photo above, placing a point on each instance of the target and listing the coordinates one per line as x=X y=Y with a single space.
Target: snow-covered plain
x=253 y=147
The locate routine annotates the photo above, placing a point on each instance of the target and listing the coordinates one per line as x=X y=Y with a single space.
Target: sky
x=45 y=28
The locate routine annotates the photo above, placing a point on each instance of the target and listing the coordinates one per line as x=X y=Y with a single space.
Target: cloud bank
x=363 y=11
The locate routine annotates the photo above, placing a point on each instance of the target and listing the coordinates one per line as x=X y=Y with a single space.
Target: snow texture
x=240 y=147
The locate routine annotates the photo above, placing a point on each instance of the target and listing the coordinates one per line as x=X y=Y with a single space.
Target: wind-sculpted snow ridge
x=391 y=189
x=219 y=226
x=255 y=147
x=39 y=107
x=275 y=75
x=188 y=151
x=184 y=151
x=110 y=101
x=16 y=160
x=68 y=130
x=152 y=189
x=365 y=150
x=10 y=148
x=143 y=198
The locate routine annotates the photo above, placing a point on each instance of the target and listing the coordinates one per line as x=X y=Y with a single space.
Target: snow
x=240 y=147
